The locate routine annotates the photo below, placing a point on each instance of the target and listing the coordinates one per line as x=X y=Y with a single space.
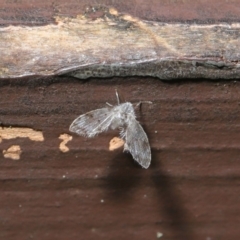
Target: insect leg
x=110 y=105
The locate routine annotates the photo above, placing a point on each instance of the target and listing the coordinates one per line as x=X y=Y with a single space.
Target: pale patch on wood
x=66 y=138
x=13 y=152
x=115 y=143
x=16 y=132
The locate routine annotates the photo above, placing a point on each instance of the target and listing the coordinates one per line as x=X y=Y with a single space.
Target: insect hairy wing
x=93 y=122
x=137 y=143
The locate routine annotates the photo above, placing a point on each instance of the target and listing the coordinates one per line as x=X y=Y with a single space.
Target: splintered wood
x=13 y=152
x=65 y=139
x=115 y=143
x=17 y=132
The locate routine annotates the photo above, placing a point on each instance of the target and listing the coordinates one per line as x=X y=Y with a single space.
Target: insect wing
x=92 y=123
x=137 y=143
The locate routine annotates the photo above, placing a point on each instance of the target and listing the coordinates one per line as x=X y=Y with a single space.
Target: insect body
x=121 y=116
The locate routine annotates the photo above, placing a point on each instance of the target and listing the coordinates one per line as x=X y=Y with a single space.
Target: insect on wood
x=122 y=117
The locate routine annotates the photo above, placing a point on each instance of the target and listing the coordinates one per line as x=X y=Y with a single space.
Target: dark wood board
x=190 y=191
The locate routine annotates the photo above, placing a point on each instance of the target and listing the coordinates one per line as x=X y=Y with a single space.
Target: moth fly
x=122 y=117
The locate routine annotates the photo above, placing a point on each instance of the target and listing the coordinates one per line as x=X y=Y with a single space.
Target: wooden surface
x=25 y=12
x=55 y=187
x=190 y=191
x=104 y=42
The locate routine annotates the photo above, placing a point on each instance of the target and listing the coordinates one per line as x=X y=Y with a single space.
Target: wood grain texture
x=190 y=191
x=103 y=42
x=33 y=13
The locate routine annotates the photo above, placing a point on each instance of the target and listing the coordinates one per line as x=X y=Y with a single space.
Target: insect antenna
x=140 y=103
x=118 y=100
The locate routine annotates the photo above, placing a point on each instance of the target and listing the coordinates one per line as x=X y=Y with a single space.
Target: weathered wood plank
x=115 y=44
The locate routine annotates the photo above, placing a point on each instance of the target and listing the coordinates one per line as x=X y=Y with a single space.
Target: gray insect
x=121 y=116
